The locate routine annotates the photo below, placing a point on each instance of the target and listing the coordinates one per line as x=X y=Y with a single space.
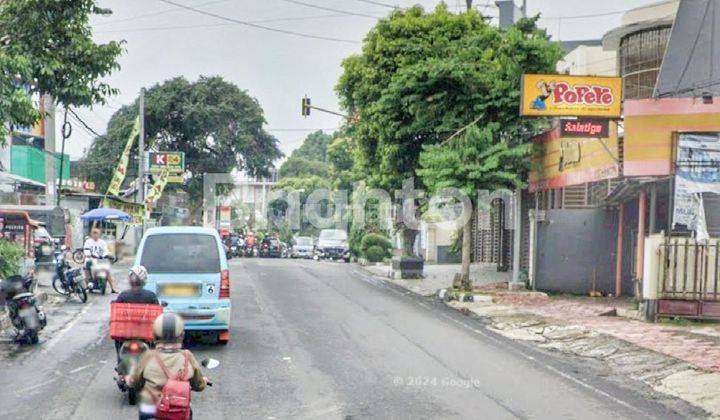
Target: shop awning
x=629 y=188
x=8 y=178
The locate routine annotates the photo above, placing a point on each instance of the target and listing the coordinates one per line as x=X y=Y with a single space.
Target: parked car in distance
x=303 y=247
x=333 y=244
x=188 y=269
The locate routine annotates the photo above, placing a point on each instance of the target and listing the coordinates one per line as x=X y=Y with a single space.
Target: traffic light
x=305 y=106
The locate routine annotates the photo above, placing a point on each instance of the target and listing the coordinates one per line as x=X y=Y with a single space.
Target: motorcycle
x=67 y=280
x=249 y=251
x=27 y=317
x=129 y=355
x=237 y=250
x=99 y=272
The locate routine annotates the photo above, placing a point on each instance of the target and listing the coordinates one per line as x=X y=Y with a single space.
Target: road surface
x=316 y=340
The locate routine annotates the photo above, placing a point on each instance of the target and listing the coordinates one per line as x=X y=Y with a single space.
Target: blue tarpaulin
x=102 y=214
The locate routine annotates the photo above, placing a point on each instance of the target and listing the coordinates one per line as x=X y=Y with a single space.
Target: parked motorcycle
x=67 y=280
x=27 y=317
x=99 y=272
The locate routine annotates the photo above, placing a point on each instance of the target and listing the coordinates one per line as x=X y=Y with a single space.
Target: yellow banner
x=562 y=162
x=552 y=95
x=137 y=211
x=156 y=191
x=121 y=170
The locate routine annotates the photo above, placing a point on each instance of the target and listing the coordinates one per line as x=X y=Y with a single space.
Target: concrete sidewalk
x=678 y=359
x=440 y=276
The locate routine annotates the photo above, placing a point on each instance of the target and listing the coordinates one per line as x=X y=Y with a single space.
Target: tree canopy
x=46 y=47
x=310 y=159
x=422 y=76
x=314 y=147
x=217 y=125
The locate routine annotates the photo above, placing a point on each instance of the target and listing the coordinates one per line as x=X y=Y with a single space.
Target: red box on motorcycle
x=133 y=320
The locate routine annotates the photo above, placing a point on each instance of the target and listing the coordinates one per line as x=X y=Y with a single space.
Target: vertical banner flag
x=137 y=211
x=121 y=170
x=157 y=189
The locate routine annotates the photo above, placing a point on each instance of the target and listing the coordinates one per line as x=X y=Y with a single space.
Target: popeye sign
x=562 y=95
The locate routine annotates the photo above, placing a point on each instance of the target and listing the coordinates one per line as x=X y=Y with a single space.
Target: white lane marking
x=76 y=370
x=374 y=281
x=53 y=341
x=40 y=385
x=546 y=366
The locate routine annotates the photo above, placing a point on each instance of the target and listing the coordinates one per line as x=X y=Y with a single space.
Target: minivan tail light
x=225 y=284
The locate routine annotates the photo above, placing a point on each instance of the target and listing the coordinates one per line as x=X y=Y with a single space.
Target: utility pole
x=141 y=146
x=469 y=4
x=48 y=106
x=141 y=160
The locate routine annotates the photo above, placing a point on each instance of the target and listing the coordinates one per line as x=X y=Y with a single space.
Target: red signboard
x=584 y=127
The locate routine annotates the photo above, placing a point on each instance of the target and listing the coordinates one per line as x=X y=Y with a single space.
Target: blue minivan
x=188 y=270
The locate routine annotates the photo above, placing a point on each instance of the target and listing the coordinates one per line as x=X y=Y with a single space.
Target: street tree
x=46 y=47
x=340 y=162
x=422 y=76
x=477 y=160
x=218 y=126
x=295 y=167
x=309 y=159
x=314 y=147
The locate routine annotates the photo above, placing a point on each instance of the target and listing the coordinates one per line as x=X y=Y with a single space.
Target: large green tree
x=217 y=125
x=46 y=47
x=309 y=159
x=422 y=76
x=477 y=160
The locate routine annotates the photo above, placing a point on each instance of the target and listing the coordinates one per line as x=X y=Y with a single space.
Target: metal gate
x=690 y=278
x=492 y=242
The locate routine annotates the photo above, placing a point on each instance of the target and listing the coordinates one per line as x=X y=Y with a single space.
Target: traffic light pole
x=306 y=107
x=328 y=111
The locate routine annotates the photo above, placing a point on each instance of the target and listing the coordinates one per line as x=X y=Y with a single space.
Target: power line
x=156 y=13
x=254 y=25
x=163 y=28
x=586 y=16
x=377 y=3
x=83 y=123
x=302 y=129
x=329 y=9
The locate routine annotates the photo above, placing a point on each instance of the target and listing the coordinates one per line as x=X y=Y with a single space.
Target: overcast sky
x=164 y=41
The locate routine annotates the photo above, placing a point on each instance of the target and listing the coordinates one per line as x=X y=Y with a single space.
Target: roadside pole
x=141 y=162
x=48 y=105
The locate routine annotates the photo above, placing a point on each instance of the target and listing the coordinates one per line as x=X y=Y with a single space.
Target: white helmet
x=138 y=276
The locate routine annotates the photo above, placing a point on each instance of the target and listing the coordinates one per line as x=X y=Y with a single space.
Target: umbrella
x=99 y=215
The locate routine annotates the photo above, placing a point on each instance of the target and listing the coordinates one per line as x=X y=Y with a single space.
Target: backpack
x=174 y=402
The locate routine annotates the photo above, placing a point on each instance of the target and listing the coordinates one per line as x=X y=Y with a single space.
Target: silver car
x=303 y=247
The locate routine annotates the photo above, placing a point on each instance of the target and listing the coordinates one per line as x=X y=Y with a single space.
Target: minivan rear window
x=181 y=253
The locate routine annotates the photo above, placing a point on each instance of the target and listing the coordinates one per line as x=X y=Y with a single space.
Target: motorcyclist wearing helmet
x=149 y=377
x=136 y=294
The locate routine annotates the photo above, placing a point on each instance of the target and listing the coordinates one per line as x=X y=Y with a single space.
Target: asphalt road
x=315 y=340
